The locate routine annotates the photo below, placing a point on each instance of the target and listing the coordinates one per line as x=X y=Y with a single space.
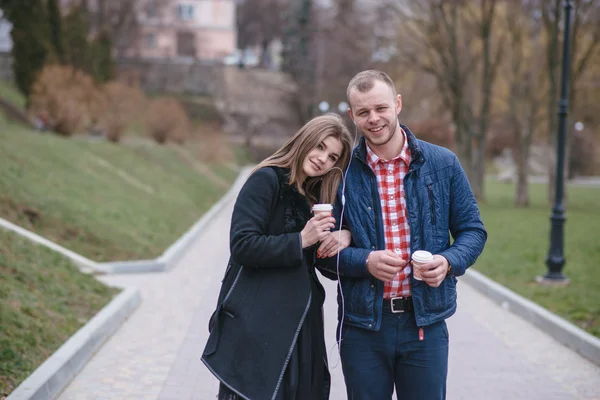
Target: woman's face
x=323 y=157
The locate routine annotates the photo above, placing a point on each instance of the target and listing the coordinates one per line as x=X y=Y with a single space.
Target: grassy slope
x=10 y=92
x=105 y=201
x=518 y=245
x=43 y=301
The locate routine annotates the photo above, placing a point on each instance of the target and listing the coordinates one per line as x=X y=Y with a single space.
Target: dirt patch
x=13 y=210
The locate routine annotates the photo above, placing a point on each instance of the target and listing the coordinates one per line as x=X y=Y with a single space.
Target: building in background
x=191 y=29
x=168 y=29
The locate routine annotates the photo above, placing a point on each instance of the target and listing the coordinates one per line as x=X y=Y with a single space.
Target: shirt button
x=373 y=247
x=369 y=208
x=397 y=250
x=394 y=224
x=391 y=197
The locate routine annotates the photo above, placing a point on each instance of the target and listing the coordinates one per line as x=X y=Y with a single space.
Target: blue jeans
x=373 y=361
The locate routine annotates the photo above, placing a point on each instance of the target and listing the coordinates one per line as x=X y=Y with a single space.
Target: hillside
x=105 y=201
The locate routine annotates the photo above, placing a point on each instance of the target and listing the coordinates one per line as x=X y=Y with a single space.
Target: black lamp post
x=556 y=260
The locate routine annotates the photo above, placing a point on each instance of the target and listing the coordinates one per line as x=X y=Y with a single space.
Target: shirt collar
x=373 y=159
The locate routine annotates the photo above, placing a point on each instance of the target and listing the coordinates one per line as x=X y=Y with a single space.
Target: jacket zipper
x=432 y=204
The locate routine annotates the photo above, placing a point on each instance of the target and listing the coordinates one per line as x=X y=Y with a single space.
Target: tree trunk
x=478 y=182
x=522 y=192
x=463 y=143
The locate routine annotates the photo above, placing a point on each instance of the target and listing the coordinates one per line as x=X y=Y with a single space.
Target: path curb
x=557 y=327
x=53 y=376
x=84 y=264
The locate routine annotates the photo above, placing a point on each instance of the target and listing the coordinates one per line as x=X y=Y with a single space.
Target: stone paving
x=156 y=353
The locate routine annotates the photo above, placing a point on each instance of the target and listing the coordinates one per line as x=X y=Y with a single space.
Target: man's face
x=376 y=113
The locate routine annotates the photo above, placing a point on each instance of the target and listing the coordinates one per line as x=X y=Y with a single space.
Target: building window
x=185 y=12
x=150 y=41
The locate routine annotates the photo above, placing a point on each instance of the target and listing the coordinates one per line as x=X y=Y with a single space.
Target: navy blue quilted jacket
x=440 y=204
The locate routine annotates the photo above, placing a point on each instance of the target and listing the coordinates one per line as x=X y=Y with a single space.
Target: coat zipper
x=287 y=360
x=431 y=204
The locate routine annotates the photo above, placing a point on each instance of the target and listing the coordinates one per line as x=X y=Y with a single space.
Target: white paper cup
x=319 y=208
x=419 y=258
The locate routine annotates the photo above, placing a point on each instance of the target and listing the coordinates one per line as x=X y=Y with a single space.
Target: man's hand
x=434 y=272
x=385 y=264
x=330 y=247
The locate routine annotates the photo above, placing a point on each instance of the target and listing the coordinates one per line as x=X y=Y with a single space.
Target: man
x=401 y=195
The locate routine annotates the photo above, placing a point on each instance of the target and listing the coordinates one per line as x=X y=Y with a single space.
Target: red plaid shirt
x=390 y=183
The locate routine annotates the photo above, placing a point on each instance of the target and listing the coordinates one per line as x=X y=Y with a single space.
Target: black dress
x=307 y=374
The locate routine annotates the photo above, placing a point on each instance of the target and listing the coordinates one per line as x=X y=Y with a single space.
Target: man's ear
x=398 y=104
x=351 y=115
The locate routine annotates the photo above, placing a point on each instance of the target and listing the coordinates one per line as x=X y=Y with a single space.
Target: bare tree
x=120 y=19
x=344 y=47
x=259 y=22
x=525 y=87
x=441 y=45
x=300 y=55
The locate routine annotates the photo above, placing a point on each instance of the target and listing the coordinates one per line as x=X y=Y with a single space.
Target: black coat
x=266 y=289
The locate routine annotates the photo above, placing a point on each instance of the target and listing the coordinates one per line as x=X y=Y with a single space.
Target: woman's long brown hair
x=292 y=154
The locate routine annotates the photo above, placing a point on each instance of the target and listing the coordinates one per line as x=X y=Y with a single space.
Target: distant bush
x=66 y=96
x=212 y=144
x=166 y=120
x=120 y=106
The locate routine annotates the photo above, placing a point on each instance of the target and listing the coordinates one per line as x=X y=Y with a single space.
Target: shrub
x=66 y=96
x=166 y=120
x=212 y=144
x=120 y=106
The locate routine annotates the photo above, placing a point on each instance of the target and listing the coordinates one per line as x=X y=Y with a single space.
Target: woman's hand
x=329 y=246
x=317 y=228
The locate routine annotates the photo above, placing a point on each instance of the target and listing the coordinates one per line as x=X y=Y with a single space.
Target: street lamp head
x=343 y=107
x=323 y=106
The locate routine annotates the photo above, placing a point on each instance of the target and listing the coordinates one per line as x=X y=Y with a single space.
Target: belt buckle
x=392 y=305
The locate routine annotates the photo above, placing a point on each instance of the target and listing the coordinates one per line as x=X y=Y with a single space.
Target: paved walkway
x=156 y=353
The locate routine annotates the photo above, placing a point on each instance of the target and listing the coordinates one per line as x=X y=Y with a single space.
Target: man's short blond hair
x=365 y=80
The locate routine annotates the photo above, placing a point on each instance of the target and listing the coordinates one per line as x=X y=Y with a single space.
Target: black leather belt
x=398 y=304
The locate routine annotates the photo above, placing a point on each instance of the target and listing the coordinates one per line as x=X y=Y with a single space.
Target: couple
x=400 y=195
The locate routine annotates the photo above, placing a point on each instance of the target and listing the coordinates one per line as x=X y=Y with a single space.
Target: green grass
x=44 y=300
x=518 y=244
x=10 y=92
x=105 y=201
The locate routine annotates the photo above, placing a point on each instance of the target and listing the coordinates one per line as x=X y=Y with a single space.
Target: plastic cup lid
x=422 y=256
x=322 y=207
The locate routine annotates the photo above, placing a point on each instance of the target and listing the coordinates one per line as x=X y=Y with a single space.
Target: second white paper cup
x=420 y=257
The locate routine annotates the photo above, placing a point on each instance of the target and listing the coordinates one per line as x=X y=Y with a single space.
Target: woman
x=267 y=339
